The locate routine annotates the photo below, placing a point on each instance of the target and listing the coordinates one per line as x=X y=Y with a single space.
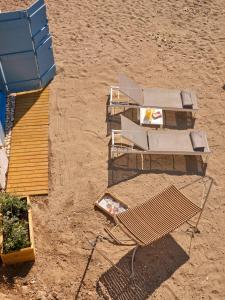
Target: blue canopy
x=26 y=55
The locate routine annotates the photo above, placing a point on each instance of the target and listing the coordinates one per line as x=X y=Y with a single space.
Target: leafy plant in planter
x=15 y=225
x=16 y=230
x=15 y=234
x=11 y=205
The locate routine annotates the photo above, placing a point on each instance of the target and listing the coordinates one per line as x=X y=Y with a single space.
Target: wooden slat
x=27 y=173
x=25 y=159
x=25 y=181
x=28 y=163
x=40 y=165
x=29 y=184
x=29 y=154
x=27 y=134
x=30 y=144
x=36 y=122
x=29 y=113
x=33 y=151
x=29 y=192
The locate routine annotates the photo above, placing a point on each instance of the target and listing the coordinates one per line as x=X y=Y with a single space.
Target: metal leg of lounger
x=173 y=162
x=132 y=261
x=112 y=154
x=109 y=112
x=203 y=206
x=204 y=161
x=194 y=115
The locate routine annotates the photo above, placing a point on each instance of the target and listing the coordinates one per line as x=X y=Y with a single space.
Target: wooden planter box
x=25 y=254
x=101 y=204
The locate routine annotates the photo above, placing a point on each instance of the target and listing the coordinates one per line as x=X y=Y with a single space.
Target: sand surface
x=164 y=43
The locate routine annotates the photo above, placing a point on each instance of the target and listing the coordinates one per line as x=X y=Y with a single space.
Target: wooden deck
x=28 y=163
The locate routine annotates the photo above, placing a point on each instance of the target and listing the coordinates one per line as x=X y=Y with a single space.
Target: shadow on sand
x=9 y=273
x=153 y=265
x=128 y=166
x=172 y=120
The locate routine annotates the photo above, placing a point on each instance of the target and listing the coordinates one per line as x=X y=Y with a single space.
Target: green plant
x=15 y=234
x=11 y=205
x=15 y=227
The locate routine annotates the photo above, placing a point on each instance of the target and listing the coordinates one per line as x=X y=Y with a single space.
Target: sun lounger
x=130 y=94
x=159 y=216
x=136 y=139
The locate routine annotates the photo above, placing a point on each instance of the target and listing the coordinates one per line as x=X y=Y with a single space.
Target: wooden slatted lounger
x=154 y=219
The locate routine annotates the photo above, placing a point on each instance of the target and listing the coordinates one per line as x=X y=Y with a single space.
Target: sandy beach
x=158 y=43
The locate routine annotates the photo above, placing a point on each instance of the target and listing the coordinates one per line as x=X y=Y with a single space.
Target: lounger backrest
x=157 y=217
x=134 y=133
x=131 y=89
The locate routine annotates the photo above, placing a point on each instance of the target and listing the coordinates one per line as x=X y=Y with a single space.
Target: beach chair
x=133 y=138
x=128 y=94
x=159 y=216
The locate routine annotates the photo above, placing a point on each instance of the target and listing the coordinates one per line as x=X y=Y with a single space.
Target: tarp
x=26 y=55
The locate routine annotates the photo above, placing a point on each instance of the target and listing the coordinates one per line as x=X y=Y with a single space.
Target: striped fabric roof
x=157 y=217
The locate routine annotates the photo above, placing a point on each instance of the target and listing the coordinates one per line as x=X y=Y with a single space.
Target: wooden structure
x=28 y=163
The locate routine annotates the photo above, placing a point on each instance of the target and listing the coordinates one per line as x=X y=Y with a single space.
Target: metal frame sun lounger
x=159 y=216
x=136 y=139
x=130 y=95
